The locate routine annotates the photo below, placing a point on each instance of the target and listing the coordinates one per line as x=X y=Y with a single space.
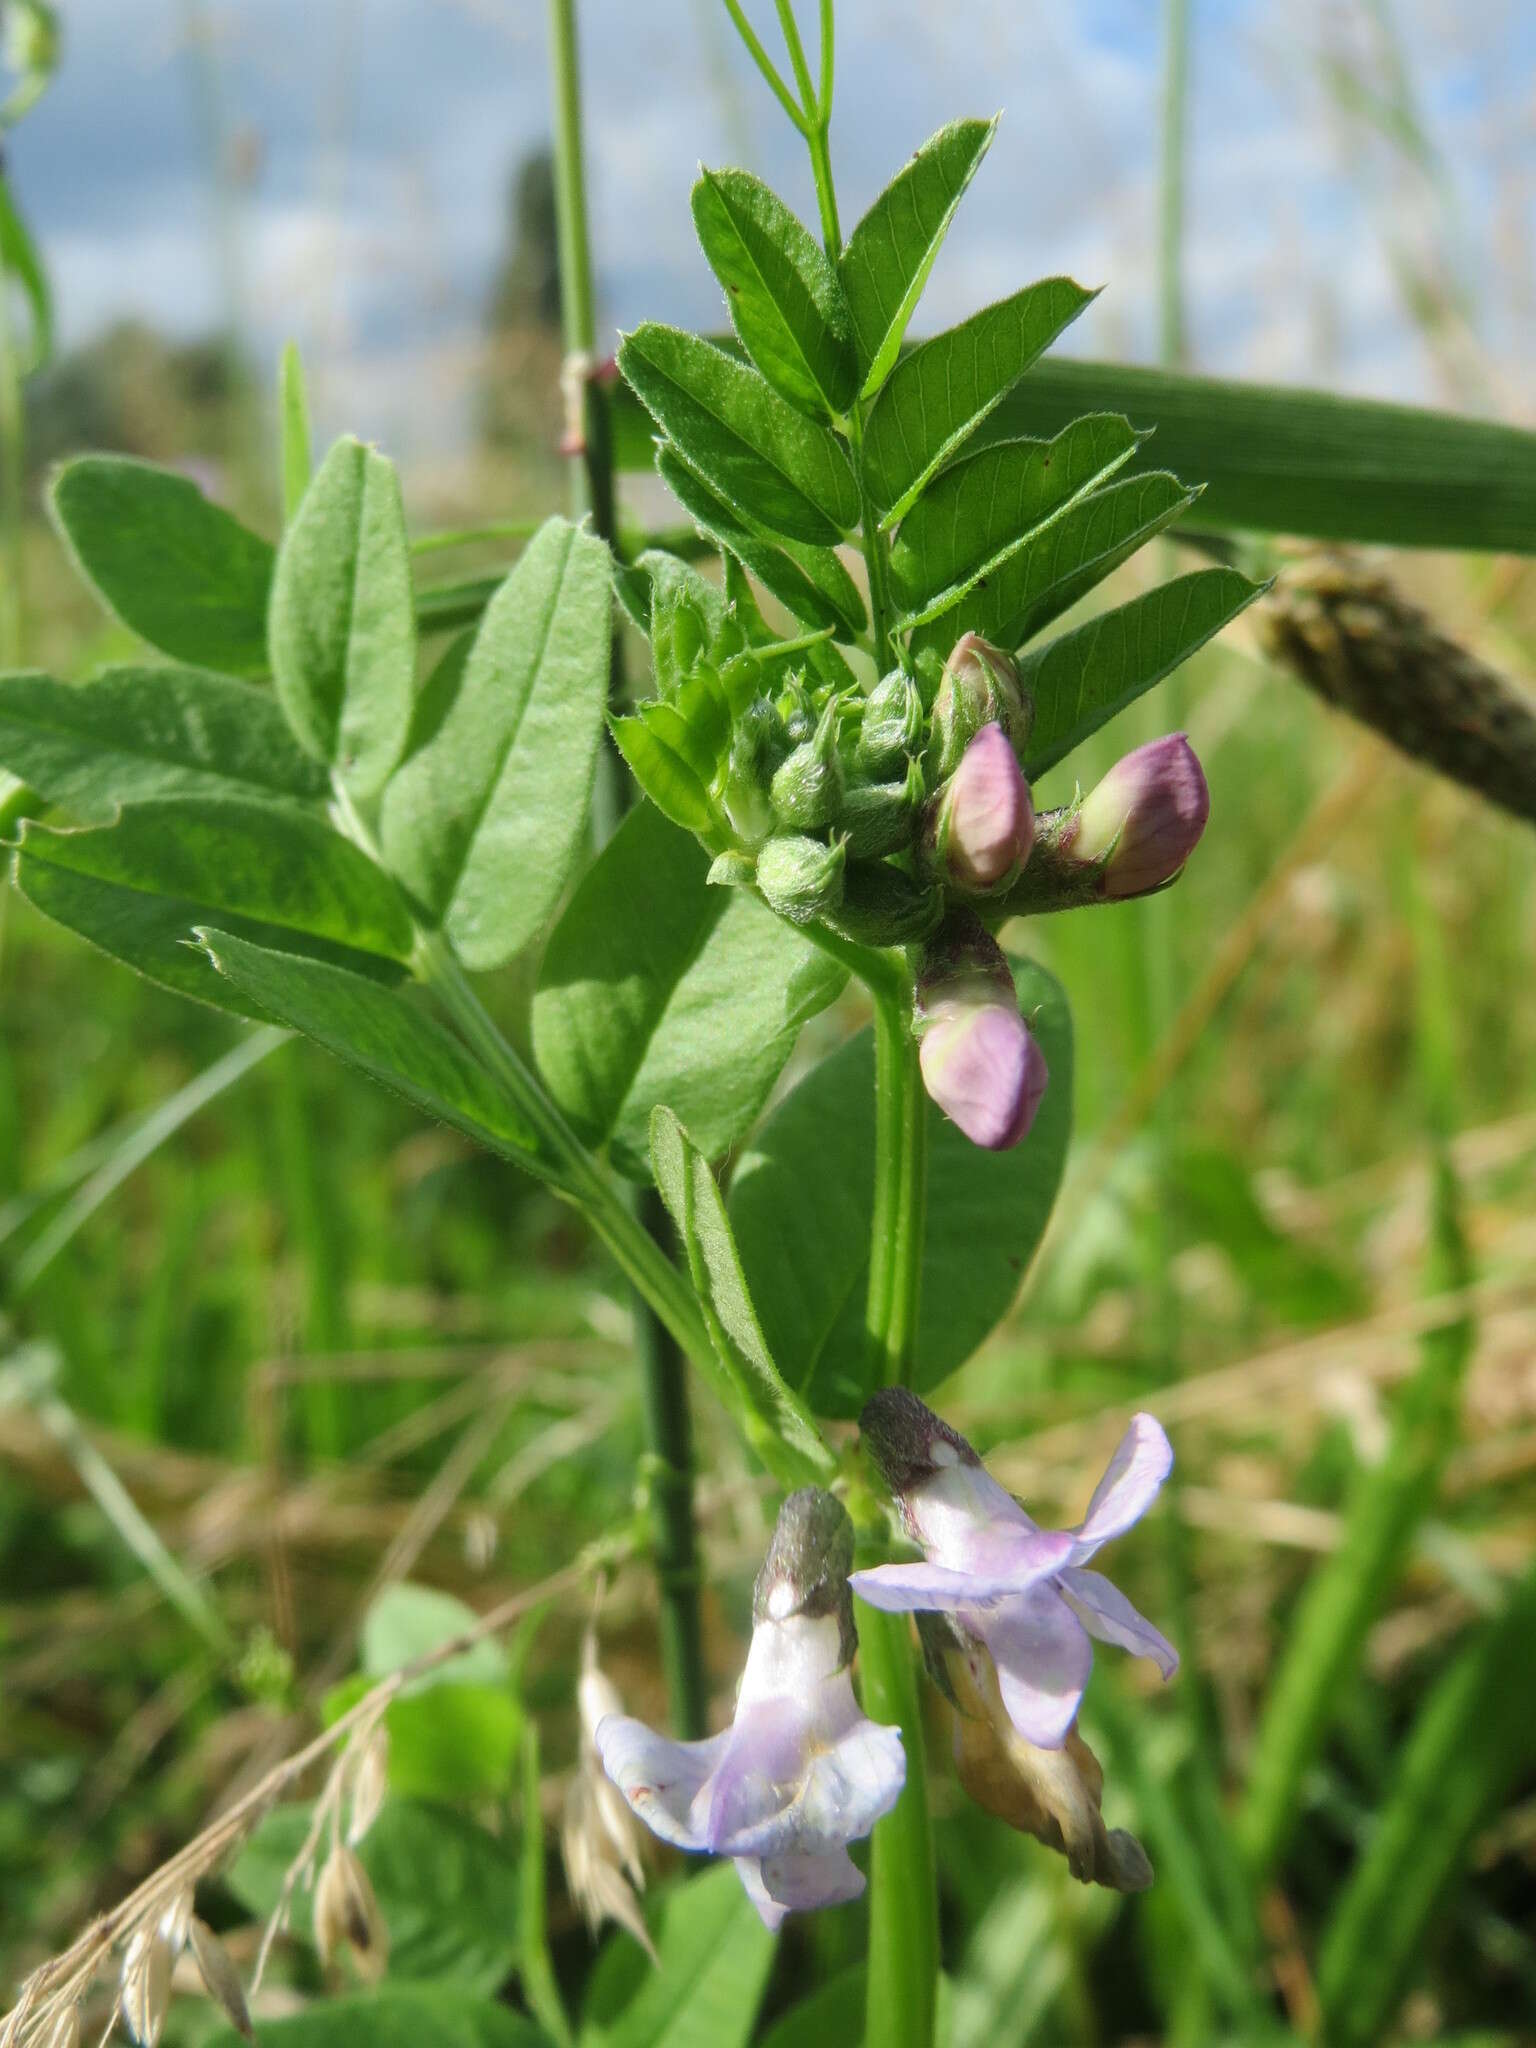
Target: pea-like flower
x=980 y=1061
x=800 y=1773
x=1022 y=1591
x=983 y=824
x=1139 y=825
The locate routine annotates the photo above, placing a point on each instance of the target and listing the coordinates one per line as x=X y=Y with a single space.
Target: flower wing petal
x=1106 y=1613
x=800 y=1883
x=1034 y=1554
x=847 y=1786
x=759 y=1775
x=1141 y=1463
x=1043 y=1658
x=750 y=1870
x=660 y=1778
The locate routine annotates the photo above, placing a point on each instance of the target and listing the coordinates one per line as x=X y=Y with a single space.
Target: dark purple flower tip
x=982 y=1066
x=986 y=821
x=907 y=1441
x=1145 y=818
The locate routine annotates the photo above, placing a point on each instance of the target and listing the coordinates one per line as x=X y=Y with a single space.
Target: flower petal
x=750 y=1870
x=801 y=1883
x=1106 y=1613
x=906 y=1588
x=660 y=1778
x=1043 y=1658
x=1129 y=1486
x=846 y=1788
x=963 y=1518
x=759 y=1775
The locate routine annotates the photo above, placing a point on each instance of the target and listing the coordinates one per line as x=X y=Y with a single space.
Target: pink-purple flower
x=1024 y=1592
x=801 y=1772
x=980 y=1061
x=1140 y=824
x=985 y=824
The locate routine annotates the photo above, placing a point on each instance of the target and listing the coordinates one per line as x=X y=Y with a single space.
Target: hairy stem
x=663 y=1371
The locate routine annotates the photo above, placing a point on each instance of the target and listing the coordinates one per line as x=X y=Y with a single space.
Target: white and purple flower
x=801 y=1772
x=1024 y=1592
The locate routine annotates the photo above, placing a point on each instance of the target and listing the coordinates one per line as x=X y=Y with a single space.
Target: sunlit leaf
x=399 y=2016
x=783 y=294
x=343 y=633
x=665 y=775
x=484 y=821
x=713 y=1956
x=942 y=390
x=891 y=251
x=747 y=442
x=177 y=570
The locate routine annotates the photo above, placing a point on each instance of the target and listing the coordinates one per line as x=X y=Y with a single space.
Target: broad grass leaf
x=810 y=582
x=979 y=509
x=399 y=2016
x=484 y=821
x=281 y=878
x=447 y=1889
x=135 y=733
x=749 y=444
x=800 y=1203
x=656 y=987
x=1473 y=1741
x=942 y=390
x=178 y=571
x=889 y=254
x=713 y=1954
x=342 y=633
x=381 y=1032
x=1081 y=679
x=784 y=298
x=1060 y=564
x=771 y=1418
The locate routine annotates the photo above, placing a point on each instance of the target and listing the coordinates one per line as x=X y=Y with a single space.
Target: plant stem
x=663 y=1374
x=1171 y=348
x=903 y=1963
x=12 y=485
x=903 y=1914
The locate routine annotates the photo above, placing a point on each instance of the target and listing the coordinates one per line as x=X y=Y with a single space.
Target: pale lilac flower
x=1143 y=821
x=800 y=1773
x=980 y=1062
x=1022 y=1591
x=985 y=823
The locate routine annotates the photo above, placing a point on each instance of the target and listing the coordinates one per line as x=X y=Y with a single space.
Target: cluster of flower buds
x=898 y=817
x=1005 y=1610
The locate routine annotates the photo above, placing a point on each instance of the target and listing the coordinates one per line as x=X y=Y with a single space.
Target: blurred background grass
x=322 y=1347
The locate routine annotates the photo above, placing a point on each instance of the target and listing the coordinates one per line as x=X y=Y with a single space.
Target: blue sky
x=383 y=134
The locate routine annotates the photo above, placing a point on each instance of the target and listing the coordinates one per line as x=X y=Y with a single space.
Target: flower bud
x=1141 y=823
x=801 y=878
x=807 y=789
x=985 y=824
x=758 y=745
x=980 y=1062
x=980 y=686
x=881 y=817
x=892 y=726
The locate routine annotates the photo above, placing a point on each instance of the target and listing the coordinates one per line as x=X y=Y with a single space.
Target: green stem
x=903 y=1913
x=1171 y=349
x=663 y=1371
x=903 y=1964
x=12 y=485
x=765 y=63
x=874 y=552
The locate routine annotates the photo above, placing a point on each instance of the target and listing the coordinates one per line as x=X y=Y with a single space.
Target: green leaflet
x=664 y=772
x=178 y=571
x=1081 y=679
x=342 y=633
x=380 y=1031
x=773 y=1420
x=768 y=461
x=713 y=1955
x=891 y=251
x=399 y=2016
x=810 y=582
x=981 y=505
x=1061 y=564
x=446 y=1887
x=133 y=733
x=800 y=1207
x=939 y=393
x=484 y=821
x=783 y=294
x=138 y=887
x=656 y=987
